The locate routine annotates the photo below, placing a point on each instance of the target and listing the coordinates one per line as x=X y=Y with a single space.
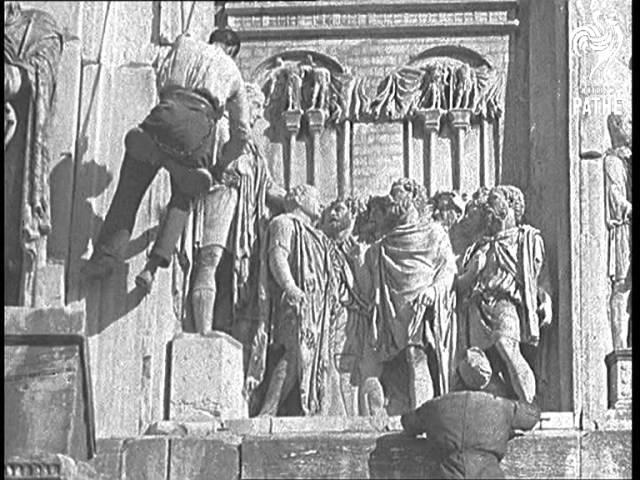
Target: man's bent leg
x=135 y=178
x=204 y=288
x=370 y=392
x=521 y=375
x=420 y=382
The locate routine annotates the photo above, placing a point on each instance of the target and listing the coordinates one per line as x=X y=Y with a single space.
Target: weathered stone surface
x=606 y=455
x=249 y=426
x=205 y=458
x=308 y=456
x=45 y=321
x=145 y=458
x=620 y=367
x=328 y=424
x=206 y=378
x=543 y=455
x=107 y=461
x=173 y=428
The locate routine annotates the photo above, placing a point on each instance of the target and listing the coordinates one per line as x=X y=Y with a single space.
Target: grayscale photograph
x=317 y=239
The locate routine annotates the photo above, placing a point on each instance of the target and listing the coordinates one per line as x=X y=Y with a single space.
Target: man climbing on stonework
x=296 y=294
x=196 y=83
x=472 y=426
x=411 y=272
x=500 y=284
x=235 y=217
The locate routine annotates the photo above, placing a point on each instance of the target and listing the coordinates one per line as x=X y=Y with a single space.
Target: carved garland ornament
x=304 y=81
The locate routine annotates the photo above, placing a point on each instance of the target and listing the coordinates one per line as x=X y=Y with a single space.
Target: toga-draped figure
x=296 y=295
x=33 y=45
x=617 y=184
x=503 y=308
x=411 y=270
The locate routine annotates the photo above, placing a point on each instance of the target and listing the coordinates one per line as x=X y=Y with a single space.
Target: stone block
x=179 y=429
x=328 y=424
x=207 y=378
x=606 y=455
x=145 y=458
x=108 y=459
x=205 y=458
x=249 y=426
x=543 y=455
x=307 y=456
x=50 y=285
x=619 y=365
x=48 y=405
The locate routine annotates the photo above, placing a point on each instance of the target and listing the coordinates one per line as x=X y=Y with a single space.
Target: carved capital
x=429 y=118
x=460 y=118
x=316 y=119
x=292 y=120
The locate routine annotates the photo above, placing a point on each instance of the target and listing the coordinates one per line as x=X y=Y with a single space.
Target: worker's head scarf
x=475 y=369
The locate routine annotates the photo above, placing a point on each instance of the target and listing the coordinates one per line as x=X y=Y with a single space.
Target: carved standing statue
x=283 y=88
x=296 y=294
x=465 y=86
x=410 y=277
x=318 y=80
x=235 y=216
x=617 y=181
x=196 y=82
x=33 y=44
x=347 y=321
x=500 y=284
x=434 y=92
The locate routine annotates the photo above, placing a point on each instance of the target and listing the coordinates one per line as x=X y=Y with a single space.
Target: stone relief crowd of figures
x=349 y=308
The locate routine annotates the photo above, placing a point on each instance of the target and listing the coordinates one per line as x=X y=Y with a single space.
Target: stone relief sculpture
x=283 y=88
x=499 y=284
x=347 y=322
x=316 y=81
x=161 y=141
x=433 y=92
x=408 y=287
x=298 y=296
x=236 y=212
x=617 y=184
x=33 y=45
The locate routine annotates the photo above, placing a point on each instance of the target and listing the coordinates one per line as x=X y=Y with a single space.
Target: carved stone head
x=375 y=221
x=339 y=217
x=304 y=198
x=256 y=101
x=505 y=207
x=619 y=130
x=447 y=208
x=408 y=197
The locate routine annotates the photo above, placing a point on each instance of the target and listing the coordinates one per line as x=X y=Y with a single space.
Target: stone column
x=487 y=156
x=292 y=126
x=315 y=120
x=344 y=160
x=460 y=121
x=430 y=121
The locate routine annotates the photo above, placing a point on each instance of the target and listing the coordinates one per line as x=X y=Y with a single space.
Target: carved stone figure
x=447 y=208
x=434 y=92
x=235 y=217
x=465 y=85
x=297 y=295
x=410 y=276
x=472 y=426
x=318 y=80
x=283 y=88
x=347 y=321
x=33 y=44
x=196 y=82
x=617 y=181
x=500 y=280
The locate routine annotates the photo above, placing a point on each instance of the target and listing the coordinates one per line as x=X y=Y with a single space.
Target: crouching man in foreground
x=472 y=426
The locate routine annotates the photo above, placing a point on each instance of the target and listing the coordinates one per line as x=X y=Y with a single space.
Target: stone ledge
x=308 y=454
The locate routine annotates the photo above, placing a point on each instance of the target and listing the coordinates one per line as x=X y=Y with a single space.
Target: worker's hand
x=250 y=385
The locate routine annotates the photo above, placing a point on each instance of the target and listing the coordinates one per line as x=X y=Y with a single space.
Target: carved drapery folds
x=303 y=81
